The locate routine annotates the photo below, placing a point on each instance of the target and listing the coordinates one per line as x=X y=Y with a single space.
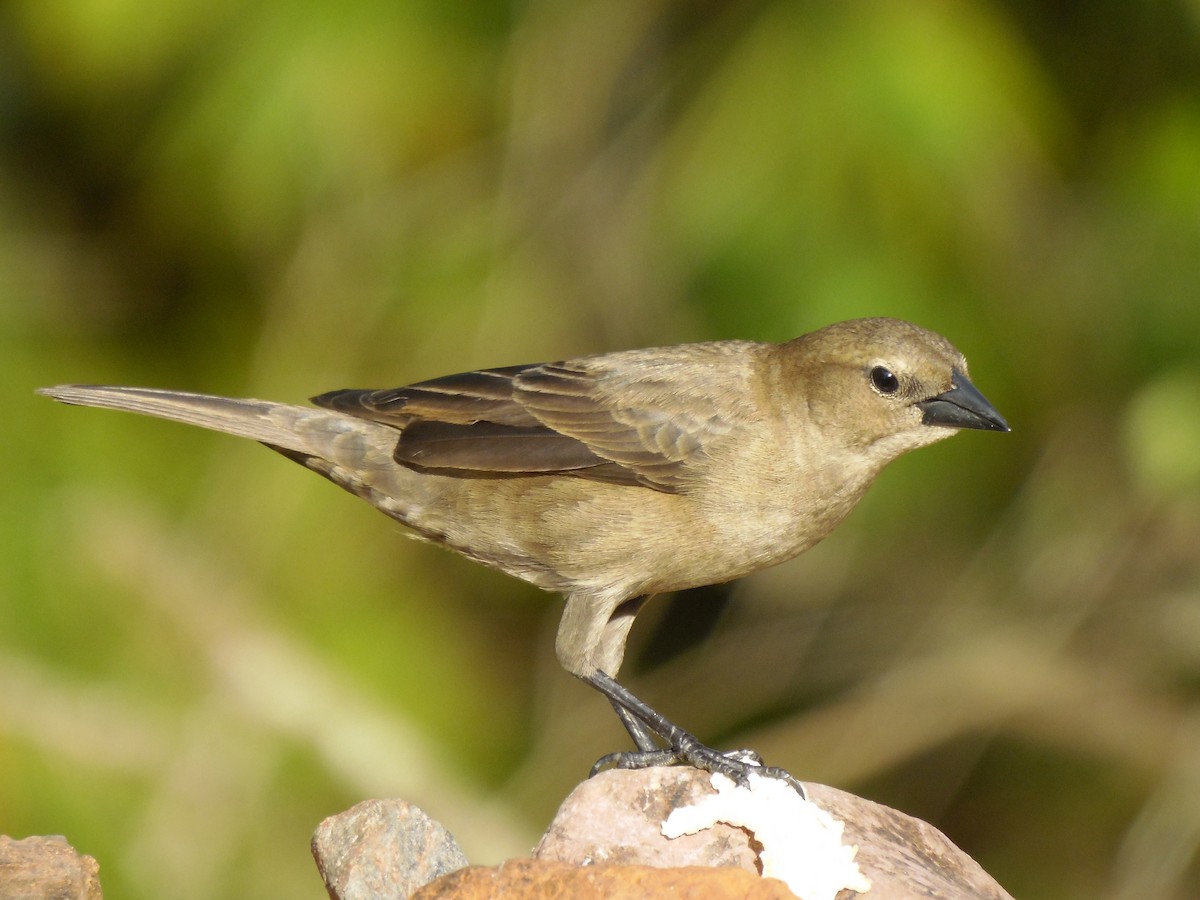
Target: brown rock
x=531 y=879
x=46 y=868
x=382 y=849
x=617 y=817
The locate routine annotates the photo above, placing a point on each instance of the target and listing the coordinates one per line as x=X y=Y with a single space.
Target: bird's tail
x=277 y=424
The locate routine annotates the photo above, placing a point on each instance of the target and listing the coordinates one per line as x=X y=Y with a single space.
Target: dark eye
x=883 y=379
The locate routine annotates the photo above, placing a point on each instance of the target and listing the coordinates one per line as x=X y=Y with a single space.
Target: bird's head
x=885 y=386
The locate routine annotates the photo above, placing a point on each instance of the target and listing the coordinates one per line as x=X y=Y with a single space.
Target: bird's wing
x=485 y=395
x=626 y=421
x=651 y=426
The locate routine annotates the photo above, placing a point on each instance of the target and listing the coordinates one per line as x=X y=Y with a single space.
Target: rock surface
x=382 y=849
x=46 y=868
x=617 y=816
x=532 y=879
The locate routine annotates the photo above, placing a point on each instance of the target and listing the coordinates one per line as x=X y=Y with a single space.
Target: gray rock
x=382 y=849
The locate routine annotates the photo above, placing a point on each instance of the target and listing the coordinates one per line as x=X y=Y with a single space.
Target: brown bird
x=613 y=478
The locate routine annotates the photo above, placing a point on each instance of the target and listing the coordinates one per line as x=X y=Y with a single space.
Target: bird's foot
x=733 y=764
x=683 y=748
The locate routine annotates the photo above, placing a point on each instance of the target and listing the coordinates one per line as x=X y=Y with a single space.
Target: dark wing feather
x=485 y=395
x=467 y=423
x=619 y=418
x=488 y=447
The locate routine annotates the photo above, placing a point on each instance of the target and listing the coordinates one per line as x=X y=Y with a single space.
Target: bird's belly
x=570 y=535
x=665 y=542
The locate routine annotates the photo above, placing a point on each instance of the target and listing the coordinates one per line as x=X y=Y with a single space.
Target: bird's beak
x=962 y=407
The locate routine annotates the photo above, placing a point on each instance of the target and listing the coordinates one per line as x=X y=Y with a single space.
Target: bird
x=615 y=477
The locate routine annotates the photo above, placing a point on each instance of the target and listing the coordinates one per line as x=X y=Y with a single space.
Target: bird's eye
x=883 y=379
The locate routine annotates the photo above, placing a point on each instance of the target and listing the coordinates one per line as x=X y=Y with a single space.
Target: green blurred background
x=205 y=650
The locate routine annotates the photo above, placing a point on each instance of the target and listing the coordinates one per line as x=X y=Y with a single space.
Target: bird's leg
x=650 y=753
x=643 y=723
x=643 y=737
x=611 y=647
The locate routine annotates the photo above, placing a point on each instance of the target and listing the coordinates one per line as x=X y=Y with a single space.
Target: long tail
x=259 y=420
x=356 y=454
x=353 y=453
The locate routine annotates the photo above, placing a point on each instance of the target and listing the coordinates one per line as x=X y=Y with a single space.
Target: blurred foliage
x=205 y=651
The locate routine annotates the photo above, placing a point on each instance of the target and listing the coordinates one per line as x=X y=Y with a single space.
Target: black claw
x=785 y=776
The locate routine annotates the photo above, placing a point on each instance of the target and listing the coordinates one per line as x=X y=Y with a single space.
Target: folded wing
x=586 y=417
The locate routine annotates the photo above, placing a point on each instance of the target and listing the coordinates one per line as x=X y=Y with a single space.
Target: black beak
x=962 y=407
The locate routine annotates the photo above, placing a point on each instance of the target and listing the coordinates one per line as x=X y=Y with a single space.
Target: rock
x=382 y=849
x=904 y=857
x=617 y=817
x=46 y=868
x=533 y=879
